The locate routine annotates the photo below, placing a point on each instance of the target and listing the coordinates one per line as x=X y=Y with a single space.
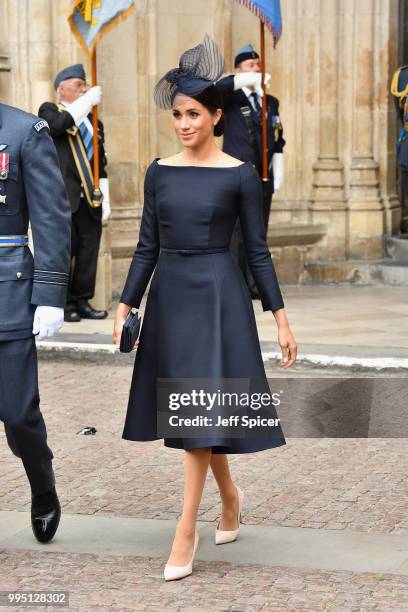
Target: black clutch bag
x=130 y=332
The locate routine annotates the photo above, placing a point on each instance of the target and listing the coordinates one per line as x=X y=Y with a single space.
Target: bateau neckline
x=207 y=167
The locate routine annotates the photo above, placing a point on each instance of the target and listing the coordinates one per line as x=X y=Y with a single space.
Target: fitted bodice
x=196 y=206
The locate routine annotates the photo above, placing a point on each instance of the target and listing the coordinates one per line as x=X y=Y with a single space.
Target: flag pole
x=264 y=132
x=95 y=126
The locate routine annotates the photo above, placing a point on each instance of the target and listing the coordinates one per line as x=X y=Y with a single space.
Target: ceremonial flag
x=269 y=12
x=90 y=20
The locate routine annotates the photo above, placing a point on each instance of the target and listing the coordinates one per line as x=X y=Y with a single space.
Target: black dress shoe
x=45 y=516
x=87 y=312
x=72 y=316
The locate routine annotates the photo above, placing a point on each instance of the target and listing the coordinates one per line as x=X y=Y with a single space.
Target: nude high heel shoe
x=174 y=572
x=223 y=537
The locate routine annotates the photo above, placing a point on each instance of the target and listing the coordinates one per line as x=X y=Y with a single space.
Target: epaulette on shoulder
x=394 y=83
x=40 y=125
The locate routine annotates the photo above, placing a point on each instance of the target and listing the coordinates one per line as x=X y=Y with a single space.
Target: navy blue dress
x=199 y=320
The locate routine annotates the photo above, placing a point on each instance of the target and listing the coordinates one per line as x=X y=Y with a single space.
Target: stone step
x=397 y=247
x=295 y=234
x=360 y=272
x=263 y=545
x=124 y=245
x=390 y=272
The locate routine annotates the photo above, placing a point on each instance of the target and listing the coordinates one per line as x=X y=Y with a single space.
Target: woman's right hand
x=121 y=316
x=285 y=338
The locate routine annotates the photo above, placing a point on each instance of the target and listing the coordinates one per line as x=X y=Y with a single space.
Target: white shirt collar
x=248 y=91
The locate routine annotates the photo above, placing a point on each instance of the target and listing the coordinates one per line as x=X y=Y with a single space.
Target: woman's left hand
x=120 y=318
x=288 y=345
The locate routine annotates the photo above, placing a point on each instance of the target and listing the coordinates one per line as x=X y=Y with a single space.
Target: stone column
x=365 y=208
x=385 y=116
x=147 y=48
x=40 y=52
x=66 y=50
x=14 y=28
x=328 y=201
x=223 y=31
x=126 y=59
x=5 y=66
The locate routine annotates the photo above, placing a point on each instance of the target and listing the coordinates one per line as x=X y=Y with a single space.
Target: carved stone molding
x=328 y=179
x=5 y=65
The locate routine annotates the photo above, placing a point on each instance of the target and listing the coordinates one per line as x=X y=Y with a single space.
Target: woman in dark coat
x=199 y=321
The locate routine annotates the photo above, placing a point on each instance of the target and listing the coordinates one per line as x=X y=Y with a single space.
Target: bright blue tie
x=87 y=139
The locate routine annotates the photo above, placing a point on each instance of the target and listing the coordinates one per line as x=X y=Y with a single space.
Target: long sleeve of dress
x=253 y=230
x=147 y=250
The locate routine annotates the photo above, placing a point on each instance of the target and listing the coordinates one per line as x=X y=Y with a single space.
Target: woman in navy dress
x=199 y=320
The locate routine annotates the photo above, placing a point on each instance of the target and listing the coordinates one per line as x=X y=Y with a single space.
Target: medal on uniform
x=4 y=166
x=276 y=122
x=4 y=170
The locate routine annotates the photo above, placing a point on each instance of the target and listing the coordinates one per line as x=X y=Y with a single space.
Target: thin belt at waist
x=195 y=251
x=14 y=240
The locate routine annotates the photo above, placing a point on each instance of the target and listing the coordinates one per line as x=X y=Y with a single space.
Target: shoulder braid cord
x=81 y=162
x=401 y=95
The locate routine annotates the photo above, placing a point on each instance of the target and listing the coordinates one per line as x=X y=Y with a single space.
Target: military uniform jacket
x=59 y=122
x=402 y=109
x=34 y=192
x=237 y=140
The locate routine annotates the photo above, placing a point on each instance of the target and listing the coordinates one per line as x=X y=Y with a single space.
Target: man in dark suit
x=71 y=127
x=32 y=294
x=242 y=96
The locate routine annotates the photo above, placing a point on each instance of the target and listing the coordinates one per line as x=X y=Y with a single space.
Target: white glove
x=95 y=95
x=259 y=89
x=247 y=79
x=47 y=321
x=106 y=209
x=81 y=108
x=278 y=169
x=251 y=79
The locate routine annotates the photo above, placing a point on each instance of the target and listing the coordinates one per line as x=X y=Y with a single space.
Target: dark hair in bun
x=211 y=98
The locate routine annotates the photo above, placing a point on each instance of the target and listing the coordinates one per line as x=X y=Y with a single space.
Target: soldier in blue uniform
x=242 y=96
x=32 y=294
x=399 y=89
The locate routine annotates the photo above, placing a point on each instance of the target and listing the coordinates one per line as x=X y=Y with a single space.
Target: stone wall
x=331 y=72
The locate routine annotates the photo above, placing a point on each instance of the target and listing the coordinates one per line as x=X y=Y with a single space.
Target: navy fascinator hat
x=199 y=68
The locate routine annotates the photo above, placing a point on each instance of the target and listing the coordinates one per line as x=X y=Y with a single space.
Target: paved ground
x=107 y=582
x=330 y=487
x=333 y=483
x=358 y=486
x=344 y=315
x=359 y=328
